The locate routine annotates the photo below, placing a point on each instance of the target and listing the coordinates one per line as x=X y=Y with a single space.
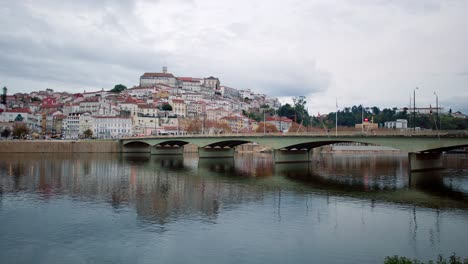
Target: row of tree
x=350 y=116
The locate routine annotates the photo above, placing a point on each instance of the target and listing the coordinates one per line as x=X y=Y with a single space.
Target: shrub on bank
x=453 y=259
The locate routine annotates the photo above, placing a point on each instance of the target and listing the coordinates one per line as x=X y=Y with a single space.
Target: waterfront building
x=71 y=126
x=32 y=121
x=86 y=121
x=112 y=127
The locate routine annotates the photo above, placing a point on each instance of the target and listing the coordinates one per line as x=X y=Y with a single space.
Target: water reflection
x=306 y=210
x=163 y=185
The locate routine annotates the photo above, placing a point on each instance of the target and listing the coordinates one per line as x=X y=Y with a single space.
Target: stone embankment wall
x=46 y=146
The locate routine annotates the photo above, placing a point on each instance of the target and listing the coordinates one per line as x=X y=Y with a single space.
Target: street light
x=264 y=129
x=437 y=111
x=336 y=117
x=414 y=109
x=362 y=118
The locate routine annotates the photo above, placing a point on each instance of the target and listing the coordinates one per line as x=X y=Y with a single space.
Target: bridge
x=424 y=150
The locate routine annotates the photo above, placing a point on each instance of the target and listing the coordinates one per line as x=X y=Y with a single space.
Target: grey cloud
x=33 y=48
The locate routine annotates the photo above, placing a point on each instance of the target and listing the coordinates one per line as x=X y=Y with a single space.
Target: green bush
x=453 y=259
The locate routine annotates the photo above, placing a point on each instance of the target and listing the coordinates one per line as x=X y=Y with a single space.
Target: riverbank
x=59 y=146
x=104 y=146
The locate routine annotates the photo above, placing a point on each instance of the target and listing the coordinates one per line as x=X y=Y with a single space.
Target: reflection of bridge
x=424 y=151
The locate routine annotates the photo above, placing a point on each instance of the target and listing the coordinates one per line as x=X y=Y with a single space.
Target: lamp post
x=414 y=109
x=264 y=129
x=437 y=109
x=362 y=118
x=336 y=118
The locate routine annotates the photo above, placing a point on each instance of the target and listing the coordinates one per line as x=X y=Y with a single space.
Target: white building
x=90 y=105
x=153 y=78
x=71 y=126
x=211 y=82
x=141 y=92
x=112 y=126
x=281 y=123
x=190 y=84
x=399 y=123
x=32 y=121
x=86 y=121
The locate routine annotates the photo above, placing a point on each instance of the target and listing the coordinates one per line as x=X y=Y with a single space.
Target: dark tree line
x=350 y=116
x=296 y=112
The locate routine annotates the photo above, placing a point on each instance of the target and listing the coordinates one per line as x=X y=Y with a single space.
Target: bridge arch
x=136 y=146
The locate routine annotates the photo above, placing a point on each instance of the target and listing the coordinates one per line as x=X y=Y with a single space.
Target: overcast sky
x=370 y=52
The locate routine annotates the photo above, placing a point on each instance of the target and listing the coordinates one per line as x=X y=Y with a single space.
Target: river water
x=340 y=208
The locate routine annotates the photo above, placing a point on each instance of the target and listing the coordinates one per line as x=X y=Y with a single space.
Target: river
x=124 y=208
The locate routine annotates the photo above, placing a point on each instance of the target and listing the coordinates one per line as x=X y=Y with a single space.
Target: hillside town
x=162 y=104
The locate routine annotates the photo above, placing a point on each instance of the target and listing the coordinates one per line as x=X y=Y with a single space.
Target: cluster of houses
x=161 y=104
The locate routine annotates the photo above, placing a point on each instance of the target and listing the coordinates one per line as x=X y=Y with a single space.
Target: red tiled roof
x=91 y=100
x=112 y=117
x=19 y=110
x=277 y=118
x=130 y=100
x=188 y=79
x=146 y=106
x=51 y=106
x=156 y=75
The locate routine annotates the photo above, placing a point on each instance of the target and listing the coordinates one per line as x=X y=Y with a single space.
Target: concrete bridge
x=424 y=151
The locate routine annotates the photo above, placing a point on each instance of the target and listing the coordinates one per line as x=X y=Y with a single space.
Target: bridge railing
x=330 y=134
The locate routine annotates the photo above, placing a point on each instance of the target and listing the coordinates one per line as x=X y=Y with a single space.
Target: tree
x=269 y=128
x=217 y=127
x=6 y=132
x=118 y=88
x=167 y=107
x=4 y=94
x=295 y=127
x=88 y=133
x=36 y=99
x=297 y=112
x=194 y=126
x=20 y=130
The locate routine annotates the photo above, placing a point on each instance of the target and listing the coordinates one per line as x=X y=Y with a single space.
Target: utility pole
x=336 y=119
x=414 y=109
x=362 y=118
x=264 y=130
x=437 y=111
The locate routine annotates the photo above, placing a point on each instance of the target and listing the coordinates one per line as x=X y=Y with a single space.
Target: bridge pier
x=283 y=156
x=135 y=149
x=425 y=161
x=216 y=152
x=167 y=150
